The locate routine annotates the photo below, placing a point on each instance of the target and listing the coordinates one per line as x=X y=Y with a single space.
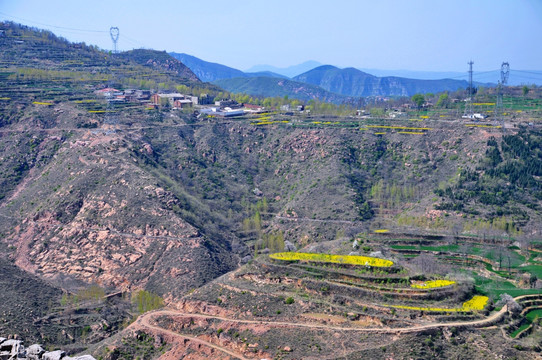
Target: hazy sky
x=431 y=35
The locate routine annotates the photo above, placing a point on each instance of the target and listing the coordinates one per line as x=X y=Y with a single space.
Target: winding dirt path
x=146 y=320
x=476 y=323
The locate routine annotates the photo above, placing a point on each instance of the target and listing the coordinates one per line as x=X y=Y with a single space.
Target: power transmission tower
x=468 y=105
x=114 y=32
x=505 y=72
x=111 y=117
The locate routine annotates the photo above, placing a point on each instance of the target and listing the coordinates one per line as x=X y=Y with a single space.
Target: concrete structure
x=108 y=92
x=173 y=98
x=227 y=112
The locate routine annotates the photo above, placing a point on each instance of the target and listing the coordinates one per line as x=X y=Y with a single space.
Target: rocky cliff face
x=90 y=210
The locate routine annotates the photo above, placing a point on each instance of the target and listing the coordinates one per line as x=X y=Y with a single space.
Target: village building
x=175 y=100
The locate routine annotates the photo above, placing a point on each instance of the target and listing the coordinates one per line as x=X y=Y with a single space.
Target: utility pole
x=111 y=117
x=499 y=111
x=468 y=105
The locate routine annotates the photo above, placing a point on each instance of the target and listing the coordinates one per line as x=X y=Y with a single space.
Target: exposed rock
x=11 y=349
x=257 y=192
x=288 y=246
x=54 y=355
x=34 y=352
x=246 y=259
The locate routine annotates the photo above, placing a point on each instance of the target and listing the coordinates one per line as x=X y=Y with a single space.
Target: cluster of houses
x=146 y=97
x=222 y=108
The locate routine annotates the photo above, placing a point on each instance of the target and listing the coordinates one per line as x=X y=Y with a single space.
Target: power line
x=475 y=74
x=53 y=26
x=133 y=41
x=528 y=72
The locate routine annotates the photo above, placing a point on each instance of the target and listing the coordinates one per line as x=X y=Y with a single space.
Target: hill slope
x=270 y=87
x=166 y=201
x=160 y=60
x=353 y=82
x=209 y=72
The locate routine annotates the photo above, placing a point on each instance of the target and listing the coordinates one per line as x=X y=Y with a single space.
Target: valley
x=137 y=228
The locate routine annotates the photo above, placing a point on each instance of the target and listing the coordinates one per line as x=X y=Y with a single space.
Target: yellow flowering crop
x=477 y=302
x=329 y=258
x=433 y=284
x=398 y=127
x=484 y=126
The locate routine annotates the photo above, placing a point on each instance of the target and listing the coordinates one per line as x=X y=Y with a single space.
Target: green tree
x=418 y=100
x=443 y=100
x=525 y=90
x=147 y=301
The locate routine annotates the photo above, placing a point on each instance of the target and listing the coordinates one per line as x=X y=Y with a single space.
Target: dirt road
x=146 y=321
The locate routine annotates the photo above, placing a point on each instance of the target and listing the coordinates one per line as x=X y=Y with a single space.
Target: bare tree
x=525 y=242
x=500 y=255
x=457 y=229
x=428 y=264
x=464 y=251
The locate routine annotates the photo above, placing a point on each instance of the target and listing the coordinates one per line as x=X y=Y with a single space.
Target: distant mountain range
x=312 y=80
x=354 y=82
x=516 y=77
x=290 y=71
x=209 y=71
x=271 y=87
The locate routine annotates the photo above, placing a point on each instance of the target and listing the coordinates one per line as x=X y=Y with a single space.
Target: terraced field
x=303 y=305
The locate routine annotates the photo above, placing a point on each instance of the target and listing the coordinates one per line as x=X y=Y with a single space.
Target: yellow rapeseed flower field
x=477 y=302
x=433 y=284
x=329 y=258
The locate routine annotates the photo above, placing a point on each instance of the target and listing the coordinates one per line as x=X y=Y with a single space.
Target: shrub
x=289 y=300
